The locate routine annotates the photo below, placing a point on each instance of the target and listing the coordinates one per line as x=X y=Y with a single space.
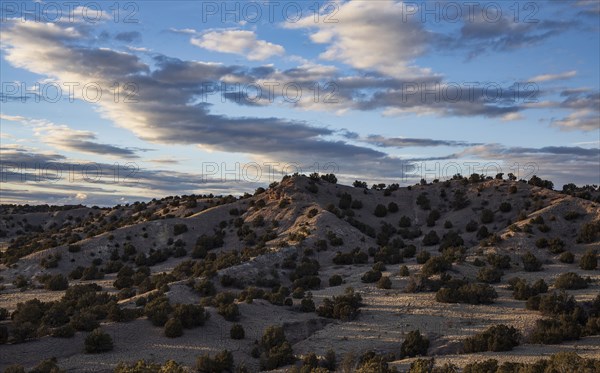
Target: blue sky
x=402 y=85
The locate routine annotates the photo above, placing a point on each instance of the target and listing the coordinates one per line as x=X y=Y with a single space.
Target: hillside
x=441 y=258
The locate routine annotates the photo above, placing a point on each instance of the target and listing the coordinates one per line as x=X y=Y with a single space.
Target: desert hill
x=442 y=258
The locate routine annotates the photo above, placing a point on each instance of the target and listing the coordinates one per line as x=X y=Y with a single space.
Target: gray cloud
x=403 y=142
x=129 y=37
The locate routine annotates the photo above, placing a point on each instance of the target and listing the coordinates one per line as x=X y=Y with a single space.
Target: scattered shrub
x=570 y=281
x=384 y=283
x=371 y=276
x=567 y=257
x=589 y=260
x=489 y=275
x=237 y=332
x=335 y=280
x=414 y=345
x=173 y=328
x=98 y=341
x=531 y=263
x=496 y=338
x=469 y=293
x=222 y=362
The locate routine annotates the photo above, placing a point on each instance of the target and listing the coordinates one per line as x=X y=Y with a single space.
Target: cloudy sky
x=113 y=102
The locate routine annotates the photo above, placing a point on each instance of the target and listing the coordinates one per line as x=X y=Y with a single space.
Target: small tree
x=173 y=328
x=589 y=260
x=384 y=283
x=98 y=341
x=237 y=332
x=380 y=211
x=414 y=345
x=531 y=263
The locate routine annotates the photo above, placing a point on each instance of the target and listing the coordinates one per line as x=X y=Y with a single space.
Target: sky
x=106 y=103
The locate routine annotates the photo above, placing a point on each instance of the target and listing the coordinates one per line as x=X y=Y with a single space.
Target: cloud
x=129 y=36
x=585 y=115
x=560 y=164
x=403 y=142
x=370 y=35
x=242 y=42
x=551 y=77
x=66 y=138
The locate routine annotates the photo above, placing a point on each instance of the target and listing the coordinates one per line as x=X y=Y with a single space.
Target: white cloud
x=550 y=77
x=370 y=35
x=240 y=42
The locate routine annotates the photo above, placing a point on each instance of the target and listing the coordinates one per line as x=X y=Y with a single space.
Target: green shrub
x=423 y=256
x=570 y=281
x=276 y=349
x=371 y=276
x=98 y=341
x=589 y=260
x=523 y=291
x=57 y=282
x=567 y=257
x=531 y=263
x=431 y=239
x=495 y=338
x=335 y=280
x=414 y=345
x=384 y=283
x=222 y=362
x=190 y=315
x=499 y=261
x=436 y=264
x=173 y=328
x=554 y=331
x=65 y=331
x=392 y=207
x=230 y=312
x=471 y=226
x=404 y=271
x=469 y=293
x=344 y=307
x=489 y=275
x=589 y=232
x=158 y=310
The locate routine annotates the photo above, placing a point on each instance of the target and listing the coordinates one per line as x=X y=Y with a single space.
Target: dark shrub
x=57 y=282
x=471 y=226
x=335 y=280
x=570 y=281
x=384 y=283
x=469 y=293
x=499 y=261
x=344 y=307
x=531 y=263
x=434 y=265
x=489 y=275
x=158 y=310
x=553 y=331
x=414 y=345
x=222 y=362
x=276 y=349
x=495 y=338
x=423 y=256
x=98 y=341
x=380 y=211
x=371 y=276
x=431 y=239
x=523 y=291
x=65 y=331
x=487 y=216
x=230 y=312
x=190 y=315
x=404 y=271
x=179 y=229
x=589 y=260
x=505 y=207
x=404 y=222
x=237 y=331
x=173 y=328
x=567 y=257
x=392 y=207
